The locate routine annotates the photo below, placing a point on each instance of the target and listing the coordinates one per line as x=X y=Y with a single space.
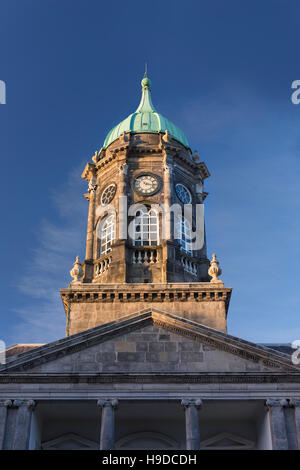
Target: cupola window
x=146 y=227
x=107 y=233
x=184 y=230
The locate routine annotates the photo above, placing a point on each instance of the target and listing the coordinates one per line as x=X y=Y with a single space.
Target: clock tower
x=146 y=244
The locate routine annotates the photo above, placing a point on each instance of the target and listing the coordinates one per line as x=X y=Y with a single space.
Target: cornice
x=153 y=378
x=158 y=293
x=171 y=148
x=88 y=171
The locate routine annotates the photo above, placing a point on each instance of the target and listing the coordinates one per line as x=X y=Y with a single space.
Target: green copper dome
x=146 y=119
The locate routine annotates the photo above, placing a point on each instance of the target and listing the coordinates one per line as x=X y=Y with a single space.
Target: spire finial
x=146 y=82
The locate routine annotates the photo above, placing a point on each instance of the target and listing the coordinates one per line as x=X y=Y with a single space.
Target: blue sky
x=222 y=71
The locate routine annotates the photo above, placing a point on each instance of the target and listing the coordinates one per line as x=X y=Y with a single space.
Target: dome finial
x=145 y=120
x=146 y=82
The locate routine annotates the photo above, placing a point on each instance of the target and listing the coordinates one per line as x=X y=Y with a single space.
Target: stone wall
x=150 y=349
x=91 y=305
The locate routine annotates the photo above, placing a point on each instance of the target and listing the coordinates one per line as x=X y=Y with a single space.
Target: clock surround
x=141 y=181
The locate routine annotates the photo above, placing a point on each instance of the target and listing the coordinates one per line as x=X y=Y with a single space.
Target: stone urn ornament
x=196 y=157
x=76 y=272
x=214 y=270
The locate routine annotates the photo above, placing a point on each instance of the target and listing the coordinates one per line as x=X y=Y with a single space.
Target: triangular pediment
x=70 y=441
x=150 y=341
x=227 y=441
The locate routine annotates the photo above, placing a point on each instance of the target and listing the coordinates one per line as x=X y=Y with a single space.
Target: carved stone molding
x=30 y=404
x=6 y=403
x=110 y=402
x=183 y=378
x=294 y=402
x=186 y=402
x=151 y=294
x=276 y=402
x=123 y=169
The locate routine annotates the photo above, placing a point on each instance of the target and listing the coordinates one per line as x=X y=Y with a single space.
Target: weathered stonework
x=151 y=342
x=147 y=361
x=88 y=305
x=130 y=278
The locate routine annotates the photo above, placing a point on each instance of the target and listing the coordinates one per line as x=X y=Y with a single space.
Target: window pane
x=148 y=222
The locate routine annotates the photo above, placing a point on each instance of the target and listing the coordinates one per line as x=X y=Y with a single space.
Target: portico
x=170 y=424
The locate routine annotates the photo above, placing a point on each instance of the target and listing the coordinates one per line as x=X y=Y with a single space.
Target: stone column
x=3 y=420
x=295 y=404
x=91 y=219
x=23 y=423
x=277 y=423
x=191 y=407
x=107 y=435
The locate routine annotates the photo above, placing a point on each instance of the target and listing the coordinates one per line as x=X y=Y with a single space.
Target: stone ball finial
x=76 y=272
x=146 y=82
x=214 y=270
x=196 y=157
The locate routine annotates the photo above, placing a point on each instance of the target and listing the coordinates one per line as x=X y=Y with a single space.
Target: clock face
x=146 y=184
x=183 y=194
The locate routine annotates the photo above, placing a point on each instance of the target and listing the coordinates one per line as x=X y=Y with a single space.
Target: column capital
x=30 y=404
x=6 y=403
x=276 y=402
x=123 y=169
x=186 y=402
x=294 y=402
x=108 y=402
x=168 y=170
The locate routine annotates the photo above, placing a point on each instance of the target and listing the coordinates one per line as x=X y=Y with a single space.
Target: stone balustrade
x=102 y=265
x=144 y=256
x=189 y=265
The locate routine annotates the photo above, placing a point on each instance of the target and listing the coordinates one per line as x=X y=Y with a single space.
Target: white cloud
x=42 y=318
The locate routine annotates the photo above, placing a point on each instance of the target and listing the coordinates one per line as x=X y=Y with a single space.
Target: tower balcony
x=145 y=255
x=189 y=265
x=101 y=266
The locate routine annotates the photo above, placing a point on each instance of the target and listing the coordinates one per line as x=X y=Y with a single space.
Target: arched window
x=184 y=230
x=107 y=233
x=146 y=227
